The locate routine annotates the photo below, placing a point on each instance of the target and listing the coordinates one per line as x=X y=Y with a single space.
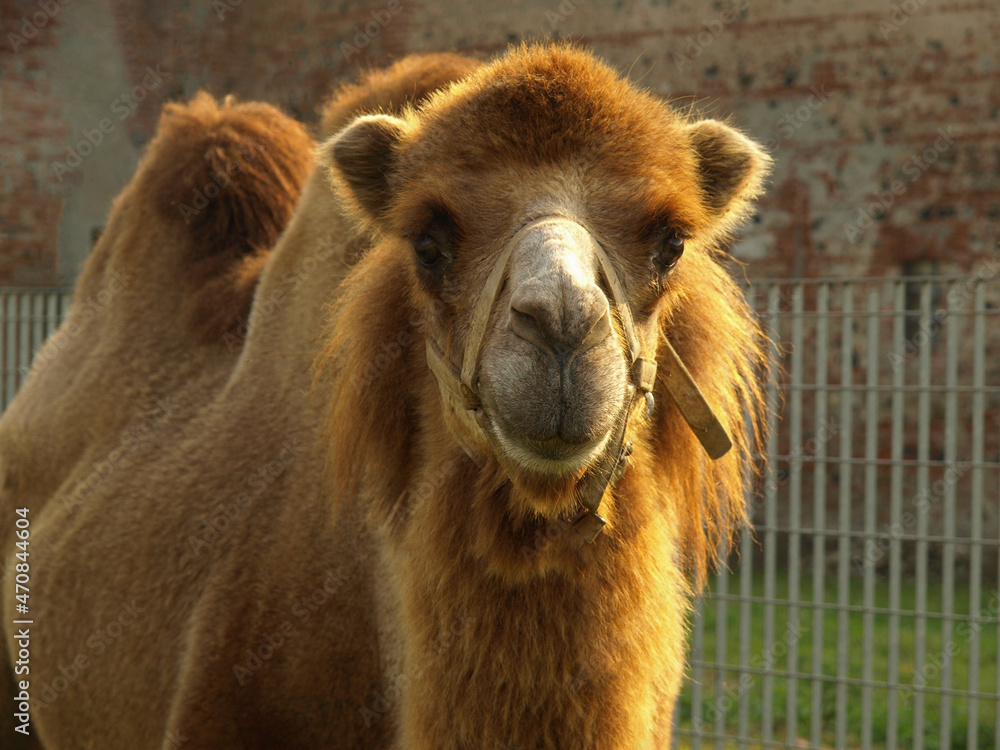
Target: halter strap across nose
x=464 y=388
x=644 y=371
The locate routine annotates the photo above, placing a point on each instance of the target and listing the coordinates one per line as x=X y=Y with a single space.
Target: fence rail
x=864 y=610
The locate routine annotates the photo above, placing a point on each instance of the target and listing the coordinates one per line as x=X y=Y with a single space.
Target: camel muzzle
x=462 y=390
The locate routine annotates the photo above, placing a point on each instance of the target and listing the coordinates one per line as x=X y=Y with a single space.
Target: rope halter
x=462 y=390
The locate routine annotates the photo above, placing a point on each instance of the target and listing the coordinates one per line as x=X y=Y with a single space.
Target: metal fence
x=27 y=317
x=863 y=612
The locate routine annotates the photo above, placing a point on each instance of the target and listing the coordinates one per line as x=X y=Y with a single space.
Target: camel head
x=557 y=226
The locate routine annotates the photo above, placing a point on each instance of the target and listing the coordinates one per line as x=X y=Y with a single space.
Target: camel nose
x=561 y=318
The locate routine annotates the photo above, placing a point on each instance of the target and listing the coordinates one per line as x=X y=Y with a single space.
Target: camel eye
x=668 y=251
x=433 y=243
x=428 y=249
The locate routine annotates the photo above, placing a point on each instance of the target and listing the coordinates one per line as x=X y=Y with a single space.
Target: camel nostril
x=561 y=325
x=526 y=326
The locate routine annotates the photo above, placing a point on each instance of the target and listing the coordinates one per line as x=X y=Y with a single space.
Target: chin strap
x=462 y=390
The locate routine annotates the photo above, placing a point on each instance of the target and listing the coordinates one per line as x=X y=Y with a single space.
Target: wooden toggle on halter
x=463 y=389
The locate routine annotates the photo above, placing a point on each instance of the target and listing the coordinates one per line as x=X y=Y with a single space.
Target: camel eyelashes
x=669 y=249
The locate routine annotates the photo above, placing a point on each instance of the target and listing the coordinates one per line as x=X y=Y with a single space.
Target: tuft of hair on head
x=229 y=175
x=408 y=82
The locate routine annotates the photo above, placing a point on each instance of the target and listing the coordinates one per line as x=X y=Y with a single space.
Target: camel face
x=522 y=197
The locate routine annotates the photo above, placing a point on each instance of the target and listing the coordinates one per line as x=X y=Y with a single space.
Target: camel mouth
x=551 y=457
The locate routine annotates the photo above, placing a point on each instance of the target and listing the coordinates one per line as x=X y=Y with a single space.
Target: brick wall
x=882 y=118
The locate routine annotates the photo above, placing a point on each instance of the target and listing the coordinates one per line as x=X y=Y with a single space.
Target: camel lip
x=550 y=457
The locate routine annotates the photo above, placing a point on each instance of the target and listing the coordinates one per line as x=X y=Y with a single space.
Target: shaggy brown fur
x=408 y=81
x=233 y=174
x=571 y=646
x=169 y=280
x=419 y=598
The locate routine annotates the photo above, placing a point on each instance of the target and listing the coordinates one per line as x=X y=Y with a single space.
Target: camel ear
x=360 y=159
x=732 y=167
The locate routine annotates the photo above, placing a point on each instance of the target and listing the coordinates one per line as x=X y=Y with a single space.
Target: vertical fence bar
x=746 y=613
x=976 y=521
x=697 y=656
x=675 y=740
x=697 y=693
x=792 y=631
x=721 y=665
x=950 y=478
x=844 y=512
x=24 y=336
x=53 y=316
x=37 y=325
x=871 y=500
x=770 y=535
x=898 y=360
x=923 y=515
x=10 y=358
x=824 y=432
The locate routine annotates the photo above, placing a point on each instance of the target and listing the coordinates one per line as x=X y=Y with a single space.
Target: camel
x=454 y=480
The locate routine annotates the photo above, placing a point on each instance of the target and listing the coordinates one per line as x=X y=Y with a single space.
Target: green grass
x=727 y=702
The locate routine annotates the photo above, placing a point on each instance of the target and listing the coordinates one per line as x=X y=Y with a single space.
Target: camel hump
x=408 y=81
x=229 y=175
